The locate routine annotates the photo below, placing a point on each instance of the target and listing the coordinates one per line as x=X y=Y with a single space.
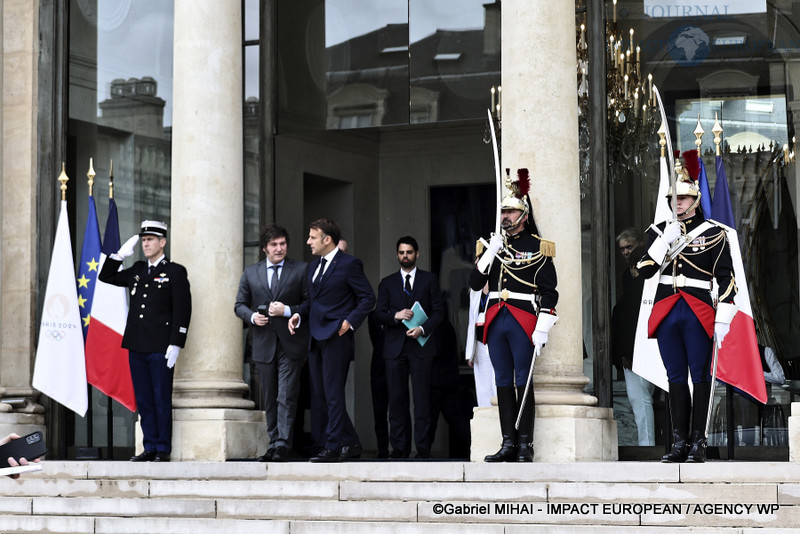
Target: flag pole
x=63 y=178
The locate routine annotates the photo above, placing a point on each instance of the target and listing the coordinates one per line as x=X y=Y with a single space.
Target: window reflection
x=389 y=62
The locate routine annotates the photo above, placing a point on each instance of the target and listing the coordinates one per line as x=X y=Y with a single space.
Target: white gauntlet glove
x=722 y=322
x=544 y=323
x=495 y=244
x=172 y=355
x=127 y=248
x=671 y=232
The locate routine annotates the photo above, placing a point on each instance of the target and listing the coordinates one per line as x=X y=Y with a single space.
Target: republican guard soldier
x=518 y=265
x=687 y=254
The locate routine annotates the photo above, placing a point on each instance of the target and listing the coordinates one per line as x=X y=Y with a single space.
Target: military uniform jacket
x=160 y=303
x=519 y=270
x=690 y=274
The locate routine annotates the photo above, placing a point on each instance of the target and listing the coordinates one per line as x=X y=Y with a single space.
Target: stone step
x=377 y=497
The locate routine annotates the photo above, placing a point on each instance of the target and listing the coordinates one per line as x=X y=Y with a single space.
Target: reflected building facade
x=381 y=127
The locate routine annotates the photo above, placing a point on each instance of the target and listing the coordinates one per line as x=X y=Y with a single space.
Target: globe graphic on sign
x=689 y=45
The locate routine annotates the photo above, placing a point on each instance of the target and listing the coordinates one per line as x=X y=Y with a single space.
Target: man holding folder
x=410 y=306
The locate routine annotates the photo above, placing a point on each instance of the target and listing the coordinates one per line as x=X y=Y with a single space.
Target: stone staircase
x=378 y=497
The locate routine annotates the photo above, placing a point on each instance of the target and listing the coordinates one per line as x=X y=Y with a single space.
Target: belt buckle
x=680 y=281
x=504 y=294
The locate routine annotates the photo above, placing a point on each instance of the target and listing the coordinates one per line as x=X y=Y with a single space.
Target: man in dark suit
x=158 y=320
x=409 y=351
x=340 y=298
x=268 y=293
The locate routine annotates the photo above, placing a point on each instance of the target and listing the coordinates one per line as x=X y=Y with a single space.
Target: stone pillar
x=212 y=420
x=540 y=132
x=19 y=29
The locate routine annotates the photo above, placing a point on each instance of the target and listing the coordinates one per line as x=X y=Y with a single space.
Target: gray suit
x=279 y=356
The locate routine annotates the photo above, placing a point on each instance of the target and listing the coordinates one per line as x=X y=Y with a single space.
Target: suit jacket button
x=141 y=316
x=142 y=305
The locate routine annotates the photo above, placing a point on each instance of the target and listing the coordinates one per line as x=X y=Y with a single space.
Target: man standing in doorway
x=268 y=292
x=158 y=320
x=409 y=351
x=340 y=298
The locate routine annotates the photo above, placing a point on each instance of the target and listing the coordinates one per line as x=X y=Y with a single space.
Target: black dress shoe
x=397 y=455
x=267 y=456
x=423 y=454
x=146 y=456
x=326 y=456
x=351 y=451
x=161 y=457
x=382 y=454
x=281 y=454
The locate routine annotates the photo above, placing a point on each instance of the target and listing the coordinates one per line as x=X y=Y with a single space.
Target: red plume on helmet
x=524 y=183
x=691 y=163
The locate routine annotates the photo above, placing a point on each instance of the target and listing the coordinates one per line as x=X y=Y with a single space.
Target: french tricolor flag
x=739 y=363
x=107 y=366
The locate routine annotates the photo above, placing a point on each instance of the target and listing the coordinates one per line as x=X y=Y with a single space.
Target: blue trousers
x=510 y=350
x=684 y=345
x=152 y=387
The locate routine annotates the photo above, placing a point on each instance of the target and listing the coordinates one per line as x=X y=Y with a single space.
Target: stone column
x=212 y=420
x=19 y=411
x=540 y=132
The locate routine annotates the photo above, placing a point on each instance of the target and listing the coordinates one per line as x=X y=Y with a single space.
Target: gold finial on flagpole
x=111 y=181
x=717 y=131
x=63 y=178
x=662 y=134
x=90 y=174
x=698 y=133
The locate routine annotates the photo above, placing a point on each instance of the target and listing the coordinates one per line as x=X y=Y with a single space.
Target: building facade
x=222 y=116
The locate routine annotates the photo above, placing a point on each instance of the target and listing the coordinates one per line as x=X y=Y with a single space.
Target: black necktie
x=318 y=279
x=273 y=283
x=407 y=288
x=149 y=270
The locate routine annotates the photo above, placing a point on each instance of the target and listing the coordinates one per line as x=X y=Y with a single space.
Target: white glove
x=720 y=331
x=495 y=244
x=671 y=232
x=486 y=260
x=127 y=248
x=172 y=355
x=539 y=339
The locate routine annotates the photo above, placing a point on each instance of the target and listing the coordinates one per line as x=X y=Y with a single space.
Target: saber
x=713 y=382
x=669 y=152
x=497 y=176
x=525 y=394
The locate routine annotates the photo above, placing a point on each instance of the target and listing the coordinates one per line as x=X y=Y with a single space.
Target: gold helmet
x=516 y=192
x=685 y=184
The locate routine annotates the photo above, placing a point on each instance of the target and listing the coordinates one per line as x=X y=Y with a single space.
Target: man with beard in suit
x=269 y=291
x=409 y=351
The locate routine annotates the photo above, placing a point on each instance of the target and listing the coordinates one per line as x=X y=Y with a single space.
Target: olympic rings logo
x=55 y=335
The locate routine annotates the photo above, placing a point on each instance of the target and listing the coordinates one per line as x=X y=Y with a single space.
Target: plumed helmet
x=686 y=178
x=516 y=192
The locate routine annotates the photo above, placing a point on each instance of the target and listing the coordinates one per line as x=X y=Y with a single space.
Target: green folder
x=418 y=320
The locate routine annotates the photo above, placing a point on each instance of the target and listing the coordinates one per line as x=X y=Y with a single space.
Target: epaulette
x=479 y=248
x=547 y=248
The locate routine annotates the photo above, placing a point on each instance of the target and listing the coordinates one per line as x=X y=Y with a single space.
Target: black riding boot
x=506 y=406
x=680 y=408
x=697 y=451
x=525 y=431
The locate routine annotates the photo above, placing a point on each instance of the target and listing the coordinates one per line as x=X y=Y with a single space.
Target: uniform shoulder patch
x=547 y=248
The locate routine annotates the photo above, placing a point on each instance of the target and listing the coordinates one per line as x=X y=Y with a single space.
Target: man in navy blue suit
x=340 y=298
x=409 y=351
